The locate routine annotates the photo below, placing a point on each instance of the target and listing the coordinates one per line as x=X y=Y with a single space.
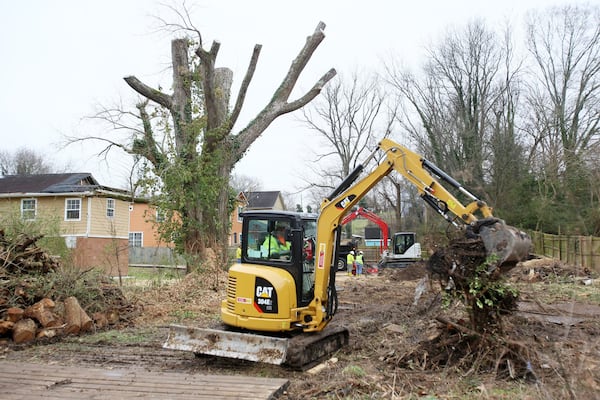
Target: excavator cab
x=403 y=251
x=275 y=275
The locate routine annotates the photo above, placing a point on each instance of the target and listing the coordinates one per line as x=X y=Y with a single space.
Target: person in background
x=358 y=260
x=359 y=263
x=350 y=262
x=238 y=254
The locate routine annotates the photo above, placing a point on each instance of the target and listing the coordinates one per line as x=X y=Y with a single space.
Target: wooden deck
x=45 y=381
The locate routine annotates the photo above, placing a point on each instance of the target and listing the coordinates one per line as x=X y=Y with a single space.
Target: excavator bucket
x=244 y=346
x=509 y=244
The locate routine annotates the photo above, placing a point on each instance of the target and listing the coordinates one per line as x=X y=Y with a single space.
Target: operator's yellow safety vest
x=359 y=259
x=275 y=245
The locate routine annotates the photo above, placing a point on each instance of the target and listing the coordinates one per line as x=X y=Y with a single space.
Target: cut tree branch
x=279 y=105
x=151 y=93
x=245 y=84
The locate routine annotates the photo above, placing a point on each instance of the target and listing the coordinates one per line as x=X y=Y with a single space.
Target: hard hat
x=352 y=252
x=360 y=252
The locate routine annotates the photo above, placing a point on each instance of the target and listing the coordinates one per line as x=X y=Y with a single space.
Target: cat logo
x=346 y=201
x=266 y=291
x=265 y=296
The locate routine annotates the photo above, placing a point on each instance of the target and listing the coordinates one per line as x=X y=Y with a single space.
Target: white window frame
x=110 y=207
x=133 y=239
x=73 y=201
x=240 y=209
x=25 y=213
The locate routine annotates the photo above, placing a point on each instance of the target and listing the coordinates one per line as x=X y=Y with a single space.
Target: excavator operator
x=275 y=244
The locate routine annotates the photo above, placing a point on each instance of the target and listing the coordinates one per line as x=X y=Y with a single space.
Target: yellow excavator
x=281 y=298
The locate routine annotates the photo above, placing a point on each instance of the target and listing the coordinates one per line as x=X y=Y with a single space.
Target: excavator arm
x=509 y=244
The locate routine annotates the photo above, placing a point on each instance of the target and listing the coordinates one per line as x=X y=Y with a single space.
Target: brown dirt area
x=394 y=341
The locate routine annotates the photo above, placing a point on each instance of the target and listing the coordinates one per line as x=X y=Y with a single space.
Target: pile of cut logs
x=23 y=321
x=45 y=319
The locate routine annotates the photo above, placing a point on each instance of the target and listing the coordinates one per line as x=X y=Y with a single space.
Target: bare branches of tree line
x=516 y=121
x=24 y=161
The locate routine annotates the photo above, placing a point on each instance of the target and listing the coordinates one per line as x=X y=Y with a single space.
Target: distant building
x=93 y=219
x=265 y=201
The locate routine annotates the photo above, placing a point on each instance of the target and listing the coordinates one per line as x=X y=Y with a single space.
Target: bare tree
x=186 y=136
x=564 y=99
x=451 y=107
x=350 y=117
x=24 y=162
x=508 y=158
x=244 y=183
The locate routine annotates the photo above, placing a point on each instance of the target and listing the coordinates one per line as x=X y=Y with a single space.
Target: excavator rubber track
x=298 y=350
x=306 y=350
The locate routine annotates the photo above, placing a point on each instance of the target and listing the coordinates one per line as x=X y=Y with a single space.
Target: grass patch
x=182 y=315
x=552 y=292
x=121 y=336
x=354 y=370
x=152 y=276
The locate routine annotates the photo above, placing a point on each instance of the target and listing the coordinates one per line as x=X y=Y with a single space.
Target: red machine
x=371 y=216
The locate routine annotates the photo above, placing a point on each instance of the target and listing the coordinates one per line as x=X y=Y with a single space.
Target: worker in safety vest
x=350 y=262
x=359 y=263
x=275 y=245
x=238 y=254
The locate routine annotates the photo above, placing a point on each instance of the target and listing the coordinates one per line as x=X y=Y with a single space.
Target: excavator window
x=403 y=241
x=269 y=240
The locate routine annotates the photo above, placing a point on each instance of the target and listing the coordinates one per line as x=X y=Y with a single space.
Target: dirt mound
x=545 y=268
x=411 y=272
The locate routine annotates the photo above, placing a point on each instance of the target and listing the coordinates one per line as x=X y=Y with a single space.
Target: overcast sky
x=60 y=59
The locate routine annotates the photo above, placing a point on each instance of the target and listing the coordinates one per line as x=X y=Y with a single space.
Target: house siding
x=68 y=227
x=103 y=226
x=142 y=219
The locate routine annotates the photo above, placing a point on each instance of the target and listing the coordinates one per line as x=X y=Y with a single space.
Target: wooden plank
x=27 y=381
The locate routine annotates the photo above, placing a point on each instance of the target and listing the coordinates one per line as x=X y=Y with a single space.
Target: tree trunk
x=14 y=314
x=42 y=312
x=76 y=319
x=6 y=327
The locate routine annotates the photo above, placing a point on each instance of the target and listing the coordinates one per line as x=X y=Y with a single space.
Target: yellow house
x=93 y=219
